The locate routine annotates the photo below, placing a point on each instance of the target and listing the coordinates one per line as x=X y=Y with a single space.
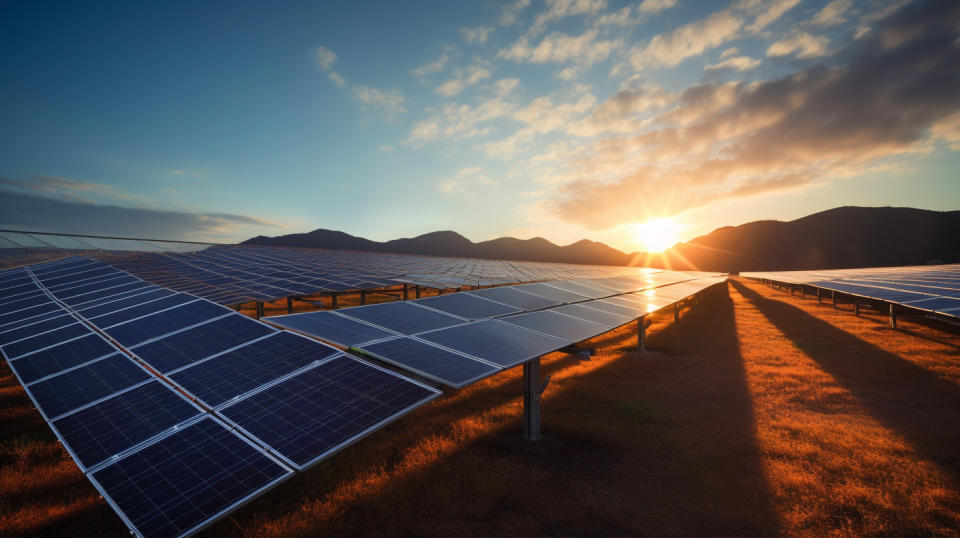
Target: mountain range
x=837 y=238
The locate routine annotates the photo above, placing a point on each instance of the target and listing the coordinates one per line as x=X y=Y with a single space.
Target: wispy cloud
x=802 y=44
x=558 y=48
x=476 y=34
x=464 y=77
x=433 y=67
x=325 y=59
x=389 y=102
x=668 y=50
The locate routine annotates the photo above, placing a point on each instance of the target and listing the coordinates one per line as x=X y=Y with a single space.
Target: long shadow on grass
x=642 y=444
x=904 y=396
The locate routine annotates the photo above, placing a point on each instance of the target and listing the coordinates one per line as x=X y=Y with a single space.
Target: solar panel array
x=933 y=289
x=460 y=338
x=240 y=273
x=178 y=409
x=10 y=239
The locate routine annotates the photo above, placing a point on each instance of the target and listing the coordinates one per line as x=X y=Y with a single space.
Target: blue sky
x=564 y=119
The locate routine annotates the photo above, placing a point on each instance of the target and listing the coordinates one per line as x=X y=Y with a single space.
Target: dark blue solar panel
x=32 y=312
x=127 y=314
x=22 y=304
x=497 y=342
x=872 y=292
x=120 y=422
x=314 y=413
x=31 y=320
x=96 y=296
x=161 y=323
x=96 y=285
x=110 y=301
x=551 y=293
x=120 y=304
x=222 y=378
x=430 y=361
x=20 y=292
x=613 y=308
x=592 y=314
x=340 y=330
x=581 y=289
x=47 y=339
x=467 y=306
x=403 y=317
x=936 y=304
x=58 y=282
x=69 y=390
x=559 y=325
x=66 y=355
x=175 y=485
x=33 y=329
x=192 y=345
x=516 y=298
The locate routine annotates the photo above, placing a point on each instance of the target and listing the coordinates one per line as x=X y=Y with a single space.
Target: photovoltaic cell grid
x=930 y=288
x=139 y=440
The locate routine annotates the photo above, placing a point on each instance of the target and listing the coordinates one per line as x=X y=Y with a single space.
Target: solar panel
x=195 y=344
x=71 y=389
x=318 y=411
x=67 y=355
x=558 y=325
x=404 y=317
x=501 y=343
x=936 y=304
x=165 y=322
x=133 y=312
x=24 y=303
x=185 y=480
x=27 y=316
x=44 y=340
x=628 y=312
x=467 y=306
x=33 y=329
x=509 y=295
x=225 y=377
x=580 y=289
x=592 y=314
x=429 y=361
x=107 y=307
x=116 y=424
x=552 y=293
x=340 y=330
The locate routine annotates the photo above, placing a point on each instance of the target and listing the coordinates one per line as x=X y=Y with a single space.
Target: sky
x=565 y=119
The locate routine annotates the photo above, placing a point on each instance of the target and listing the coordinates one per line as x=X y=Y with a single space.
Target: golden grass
x=759 y=414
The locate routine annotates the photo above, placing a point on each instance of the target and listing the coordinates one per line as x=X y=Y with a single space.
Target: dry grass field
x=760 y=413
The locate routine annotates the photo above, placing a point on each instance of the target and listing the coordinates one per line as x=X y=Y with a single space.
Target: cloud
x=618 y=114
x=510 y=13
x=465 y=181
x=506 y=85
x=433 y=67
x=655 y=6
x=774 y=11
x=390 y=102
x=325 y=59
x=802 y=44
x=477 y=34
x=67 y=189
x=37 y=213
x=735 y=63
x=558 y=9
x=559 y=48
x=832 y=13
x=463 y=78
x=459 y=121
x=668 y=50
x=893 y=94
x=732 y=51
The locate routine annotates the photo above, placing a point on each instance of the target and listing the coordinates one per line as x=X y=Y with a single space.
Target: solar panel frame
x=461 y=305
x=535 y=321
x=398 y=321
x=19 y=365
x=517 y=298
x=375 y=333
x=442 y=338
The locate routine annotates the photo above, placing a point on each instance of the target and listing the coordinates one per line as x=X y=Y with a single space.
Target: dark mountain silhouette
x=836 y=238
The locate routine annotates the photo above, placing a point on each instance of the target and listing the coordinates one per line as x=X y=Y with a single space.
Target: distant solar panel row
x=930 y=288
x=167 y=465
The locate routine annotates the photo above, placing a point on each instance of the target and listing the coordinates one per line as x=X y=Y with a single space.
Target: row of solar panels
x=87 y=341
x=33 y=240
x=240 y=273
x=461 y=338
x=929 y=288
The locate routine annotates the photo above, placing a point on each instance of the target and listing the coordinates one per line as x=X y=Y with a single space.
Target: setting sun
x=657 y=235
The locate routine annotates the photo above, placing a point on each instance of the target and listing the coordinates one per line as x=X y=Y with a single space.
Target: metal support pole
x=893 y=317
x=833 y=295
x=856 y=308
x=290 y=305
x=676 y=312
x=439 y=291
x=642 y=335
x=802 y=291
x=819 y=295
x=363 y=296
x=416 y=291
x=406 y=294
x=333 y=300
x=259 y=309
x=531 y=400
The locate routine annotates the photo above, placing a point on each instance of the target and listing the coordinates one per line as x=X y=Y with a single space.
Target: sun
x=657 y=235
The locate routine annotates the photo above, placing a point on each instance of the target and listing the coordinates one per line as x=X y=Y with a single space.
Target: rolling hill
x=836 y=238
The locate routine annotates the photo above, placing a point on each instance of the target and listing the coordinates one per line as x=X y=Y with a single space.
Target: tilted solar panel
x=494 y=341
x=430 y=361
x=557 y=324
x=404 y=317
x=332 y=327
